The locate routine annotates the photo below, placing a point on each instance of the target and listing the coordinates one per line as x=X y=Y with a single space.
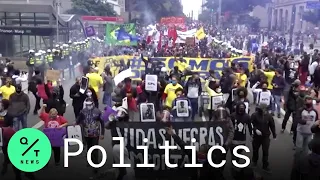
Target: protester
x=7 y=132
x=241 y=120
x=193 y=90
x=306 y=117
x=19 y=108
x=169 y=93
x=56 y=100
x=107 y=86
x=53 y=120
x=93 y=127
x=77 y=97
x=7 y=89
x=4 y=117
x=213 y=89
x=278 y=83
x=262 y=122
x=95 y=80
x=32 y=87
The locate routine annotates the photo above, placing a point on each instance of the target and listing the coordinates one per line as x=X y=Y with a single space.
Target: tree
x=312 y=16
x=152 y=10
x=91 y=8
x=235 y=7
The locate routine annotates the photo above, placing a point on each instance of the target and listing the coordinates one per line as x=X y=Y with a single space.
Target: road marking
x=38 y=125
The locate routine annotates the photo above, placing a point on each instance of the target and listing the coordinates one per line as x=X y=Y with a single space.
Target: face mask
x=264 y=88
x=18 y=91
x=53 y=117
x=218 y=90
x=89 y=107
x=309 y=105
x=241 y=95
x=89 y=94
x=174 y=82
x=302 y=94
x=241 y=111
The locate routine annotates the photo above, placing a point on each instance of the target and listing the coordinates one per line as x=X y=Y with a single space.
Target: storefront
x=24 y=27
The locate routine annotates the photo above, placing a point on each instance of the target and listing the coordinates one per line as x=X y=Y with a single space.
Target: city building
x=284 y=13
x=33 y=26
x=118 y=5
x=99 y=22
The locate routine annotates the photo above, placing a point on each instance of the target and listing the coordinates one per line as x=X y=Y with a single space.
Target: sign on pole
x=313 y=5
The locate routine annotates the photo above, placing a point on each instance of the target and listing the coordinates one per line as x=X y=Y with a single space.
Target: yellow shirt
x=243 y=79
x=7 y=91
x=95 y=81
x=171 y=95
x=270 y=75
x=181 y=65
x=213 y=94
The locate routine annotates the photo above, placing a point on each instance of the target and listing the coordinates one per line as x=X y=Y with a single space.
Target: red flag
x=172 y=33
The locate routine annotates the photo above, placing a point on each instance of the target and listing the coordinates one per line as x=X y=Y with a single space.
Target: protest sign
x=210 y=133
x=190 y=41
x=74 y=132
x=55 y=136
x=53 y=75
x=151 y=82
x=1 y=137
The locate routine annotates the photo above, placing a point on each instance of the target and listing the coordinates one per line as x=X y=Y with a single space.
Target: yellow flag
x=200 y=34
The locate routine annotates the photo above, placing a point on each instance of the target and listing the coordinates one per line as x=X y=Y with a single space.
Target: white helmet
x=49 y=51
x=54 y=50
x=57 y=46
x=37 y=54
x=31 y=51
x=70 y=42
x=163 y=69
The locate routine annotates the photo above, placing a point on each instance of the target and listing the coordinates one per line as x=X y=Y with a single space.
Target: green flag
x=111 y=34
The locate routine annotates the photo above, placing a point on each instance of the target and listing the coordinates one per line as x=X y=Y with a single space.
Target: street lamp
x=57 y=5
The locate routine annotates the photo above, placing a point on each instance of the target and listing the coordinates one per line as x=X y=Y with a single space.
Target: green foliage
x=312 y=16
x=235 y=6
x=156 y=9
x=91 y=8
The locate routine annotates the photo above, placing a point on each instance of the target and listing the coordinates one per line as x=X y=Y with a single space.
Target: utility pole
x=57 y=5
x=219 y=14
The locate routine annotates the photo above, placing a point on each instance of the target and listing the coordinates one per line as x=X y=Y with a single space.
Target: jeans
x=194 y=107
x=107 y=99
x=302 y=142
x=277 y=101
x=37 y=105
x=20 y=122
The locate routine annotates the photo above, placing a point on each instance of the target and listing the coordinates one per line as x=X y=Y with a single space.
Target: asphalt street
x=280 y=156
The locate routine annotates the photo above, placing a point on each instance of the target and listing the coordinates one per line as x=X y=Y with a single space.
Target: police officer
x=49 y=58
x=40 y=62
x=30 y=63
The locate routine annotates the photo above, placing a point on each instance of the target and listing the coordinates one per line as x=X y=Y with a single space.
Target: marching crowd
x=276 y=80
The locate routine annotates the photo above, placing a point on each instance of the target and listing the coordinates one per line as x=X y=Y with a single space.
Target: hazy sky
x=191 y=5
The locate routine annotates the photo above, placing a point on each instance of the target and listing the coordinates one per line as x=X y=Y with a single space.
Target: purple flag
x=90 y=31
x=107 y=112
x=55 y=136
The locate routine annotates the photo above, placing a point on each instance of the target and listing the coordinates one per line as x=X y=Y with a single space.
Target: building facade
x=118 y=5
x=39 y=27
x=286 y=14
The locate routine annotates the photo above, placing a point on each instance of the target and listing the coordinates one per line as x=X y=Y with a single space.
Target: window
x=32 y=42
x=42 y=19
x=16 y=44
x=28 y=19
x=25 y=43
